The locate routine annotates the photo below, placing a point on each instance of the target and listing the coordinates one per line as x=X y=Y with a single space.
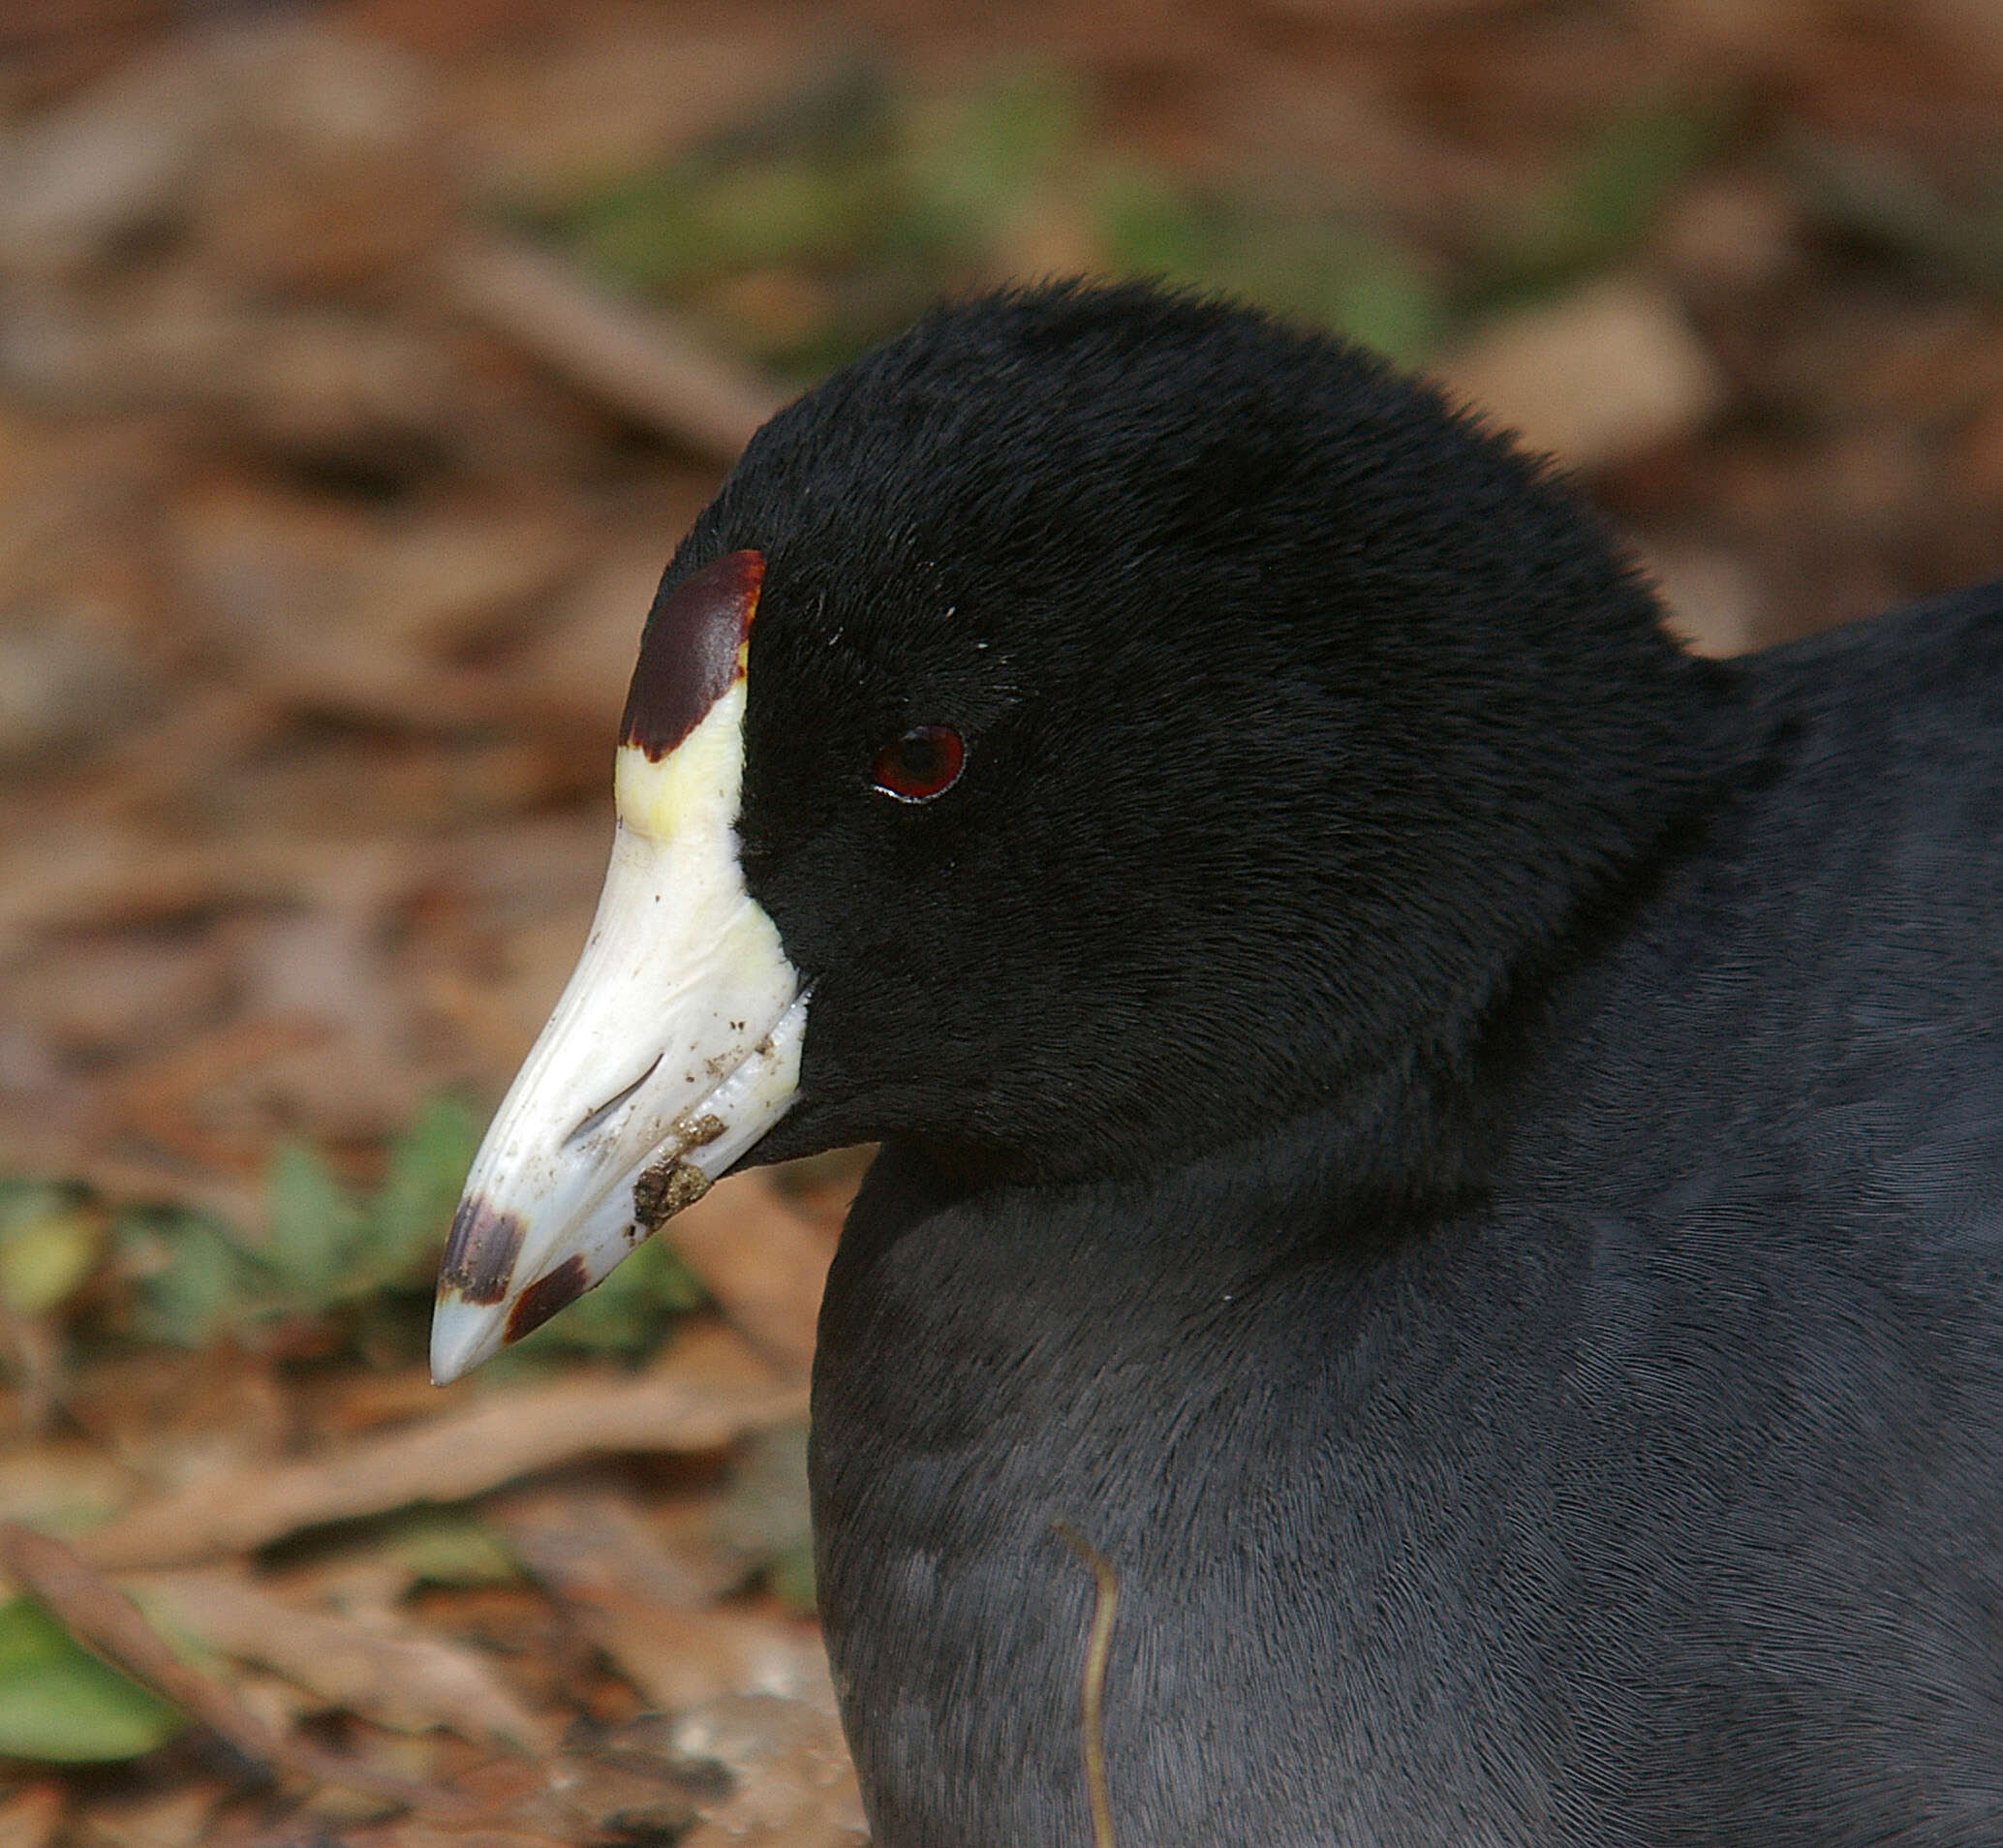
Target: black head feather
x=1303 y=715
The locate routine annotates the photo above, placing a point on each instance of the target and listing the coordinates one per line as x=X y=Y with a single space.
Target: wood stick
x=710 y=1391
x=102 y=1618
x=637 y=361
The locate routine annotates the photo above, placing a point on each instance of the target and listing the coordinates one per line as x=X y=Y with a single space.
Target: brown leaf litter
x=332 y=498
x=705 y=1393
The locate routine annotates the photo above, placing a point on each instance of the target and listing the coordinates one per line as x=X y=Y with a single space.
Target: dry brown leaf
x=176 y=1417
x=508 y=1804
x=709 y=1390
x=112 y=879
x=169 y=1819
x=641 y=1600
x=1713 y=602
x=61 y=1484
x=300 y=585
x=757 y=1768
x=165 y=1095
x=103 y=168
x=396 y=1677
x=637 y=359
x=616 y=97
x=1603 y=373
x=434 y=1835
x=640 y=1603
x=1978 y=454
x=30 y=1816
x=101 y=1616
x=576 y=1536
x=580 y=661
x=366 y=1402
x=764 y=1263
x=327 y=173
x=678 y=1659
x=791 y=1784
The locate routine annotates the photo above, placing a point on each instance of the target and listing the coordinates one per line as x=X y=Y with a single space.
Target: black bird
x=1460 y=1147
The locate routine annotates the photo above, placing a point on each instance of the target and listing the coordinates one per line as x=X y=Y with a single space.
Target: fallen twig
x=406 y=1683
x=104 y=1619
x=637 y=359
x=30 y=1816
x=710 y=1391
x=625 y=1592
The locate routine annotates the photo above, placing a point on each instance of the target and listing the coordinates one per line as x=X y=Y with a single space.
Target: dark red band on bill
x=480 y=1252
x=541 y=1300
x=689 y=652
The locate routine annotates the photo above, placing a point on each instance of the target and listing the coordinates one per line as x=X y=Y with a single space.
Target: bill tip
x=463 y=1333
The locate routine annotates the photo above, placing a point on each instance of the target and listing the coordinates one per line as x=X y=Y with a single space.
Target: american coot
x=1458 y=1147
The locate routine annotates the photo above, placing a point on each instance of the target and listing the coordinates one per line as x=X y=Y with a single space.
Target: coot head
x=1095 y=725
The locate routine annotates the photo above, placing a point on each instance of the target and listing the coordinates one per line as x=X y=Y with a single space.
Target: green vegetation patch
x=803 y=243
x=60 y=1703
x=340 y=1270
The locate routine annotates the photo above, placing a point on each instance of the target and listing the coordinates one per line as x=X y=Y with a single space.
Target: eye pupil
x=923 y=764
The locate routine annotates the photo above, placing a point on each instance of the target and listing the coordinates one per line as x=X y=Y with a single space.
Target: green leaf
x=1306 y=266
x=60 y=1703
x=50 y=1240
x=791 y=1581
x=1151 y=226
x=447 y=1546
x=410 y=1216
x=1604 y=202
x=1631 y=166
x=190 y=1279
x=315 y=1228
x=630 y=1313
x=968 y=162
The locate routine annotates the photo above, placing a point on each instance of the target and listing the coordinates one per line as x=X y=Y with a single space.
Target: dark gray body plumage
x=1652 y=1496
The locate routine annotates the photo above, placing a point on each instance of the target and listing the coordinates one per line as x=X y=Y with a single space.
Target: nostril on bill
x=594 y=1117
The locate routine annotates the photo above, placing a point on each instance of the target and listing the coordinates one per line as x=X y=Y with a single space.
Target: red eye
x=923 y=764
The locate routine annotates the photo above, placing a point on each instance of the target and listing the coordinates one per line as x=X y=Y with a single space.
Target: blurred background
x=359 y=366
